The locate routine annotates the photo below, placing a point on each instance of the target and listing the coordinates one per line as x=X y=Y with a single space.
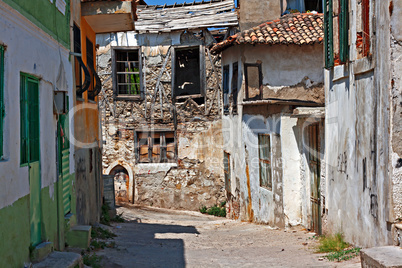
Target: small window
x=235 y=81
x=253 y=74
x=2 y=109
x=188 y=73
x=155 y=147
x=127 y=73
x=226 y=167
x=225 y=86
x=29 y=119
x=264 y=152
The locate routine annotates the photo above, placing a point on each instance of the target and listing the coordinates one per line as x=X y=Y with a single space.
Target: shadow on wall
x=146 y=249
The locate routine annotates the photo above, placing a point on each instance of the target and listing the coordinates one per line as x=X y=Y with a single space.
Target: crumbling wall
x=196 y=178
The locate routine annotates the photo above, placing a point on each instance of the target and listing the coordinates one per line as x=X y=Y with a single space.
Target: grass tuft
x=337 y=248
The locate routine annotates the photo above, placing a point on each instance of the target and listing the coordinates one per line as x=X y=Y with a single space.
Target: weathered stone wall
x=197 y=177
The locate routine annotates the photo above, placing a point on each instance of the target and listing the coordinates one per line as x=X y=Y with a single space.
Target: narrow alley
x=155 y=237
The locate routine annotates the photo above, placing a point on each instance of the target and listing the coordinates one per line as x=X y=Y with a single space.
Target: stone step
x=61 y=260
x=381 y=257
x=41 y=251
x=79 y=236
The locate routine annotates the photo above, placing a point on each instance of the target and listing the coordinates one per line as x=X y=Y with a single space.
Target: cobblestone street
x=153 y=237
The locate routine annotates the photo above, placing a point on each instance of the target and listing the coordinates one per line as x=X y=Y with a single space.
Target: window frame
x=150 y=144
x=366 y=28
x=2 y=106
x=262 y=161
x=115 y=50
x=260 y=79
x=203 y=80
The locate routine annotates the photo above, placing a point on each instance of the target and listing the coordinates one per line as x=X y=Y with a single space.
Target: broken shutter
x=225 y=86
x=344 y=30
x=142 y=87
x=202 y=72
x=328 y=35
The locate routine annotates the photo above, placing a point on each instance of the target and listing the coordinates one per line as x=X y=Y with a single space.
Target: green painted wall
x=46 y=16
x=15 y=234
x=15 y=226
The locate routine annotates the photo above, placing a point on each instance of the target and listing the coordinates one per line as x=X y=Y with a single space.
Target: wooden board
x=197 y=16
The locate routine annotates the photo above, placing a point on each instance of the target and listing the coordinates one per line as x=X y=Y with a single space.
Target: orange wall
x=87 y=125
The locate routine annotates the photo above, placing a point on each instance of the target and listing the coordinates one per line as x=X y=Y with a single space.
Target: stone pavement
x=164 y=238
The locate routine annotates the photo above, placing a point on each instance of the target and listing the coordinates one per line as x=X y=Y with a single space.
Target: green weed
x=215 y=210
x=343 y=255
x=337 y=248
x=118 y=218
x=105 y=218
x=92 y=260
x=332 y=243
x=100 y=233
x=203 y=209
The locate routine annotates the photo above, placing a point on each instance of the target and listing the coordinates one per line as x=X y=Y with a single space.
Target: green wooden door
x=64 y=161
x=30 y=149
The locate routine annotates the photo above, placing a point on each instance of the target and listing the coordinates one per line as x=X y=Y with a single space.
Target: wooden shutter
x=2 y=110
x=328 y=34
x=366 y=27
x=264 y=152
x=344 y=30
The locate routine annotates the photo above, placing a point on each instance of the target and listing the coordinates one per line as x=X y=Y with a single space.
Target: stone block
x=41 y=251
x=79 y=236
x=381 y=257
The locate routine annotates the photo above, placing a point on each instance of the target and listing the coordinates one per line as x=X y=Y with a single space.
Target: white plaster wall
x=29 y=50
x=291 y=157
x=357 y=128
x=286 y=65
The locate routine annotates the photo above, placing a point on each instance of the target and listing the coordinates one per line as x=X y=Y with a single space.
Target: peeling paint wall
x=362 y=129
x=196 y=179
x=284 y=73
x=30 y=49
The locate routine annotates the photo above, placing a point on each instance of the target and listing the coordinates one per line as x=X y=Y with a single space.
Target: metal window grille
x=127 y=72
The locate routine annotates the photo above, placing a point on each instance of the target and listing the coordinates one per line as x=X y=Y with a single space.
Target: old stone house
x=161 y=106
x=273 y=98
x=363 y=120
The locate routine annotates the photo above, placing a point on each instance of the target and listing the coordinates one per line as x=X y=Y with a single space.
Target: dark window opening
x=187 y=73
x=155 y=147
x=253 y=74
x=225 y=82
x=127 y=72
x=294 y=6
x=264 y=152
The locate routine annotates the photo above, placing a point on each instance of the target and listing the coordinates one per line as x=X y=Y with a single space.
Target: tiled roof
x=298 y=29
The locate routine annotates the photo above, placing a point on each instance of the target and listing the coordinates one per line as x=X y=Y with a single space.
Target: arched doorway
x=121 y=184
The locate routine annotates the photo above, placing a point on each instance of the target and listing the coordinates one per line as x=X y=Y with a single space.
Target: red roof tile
x=298 y=29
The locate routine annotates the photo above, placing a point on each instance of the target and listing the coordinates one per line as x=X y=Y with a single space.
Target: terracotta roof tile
x=299 y=29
